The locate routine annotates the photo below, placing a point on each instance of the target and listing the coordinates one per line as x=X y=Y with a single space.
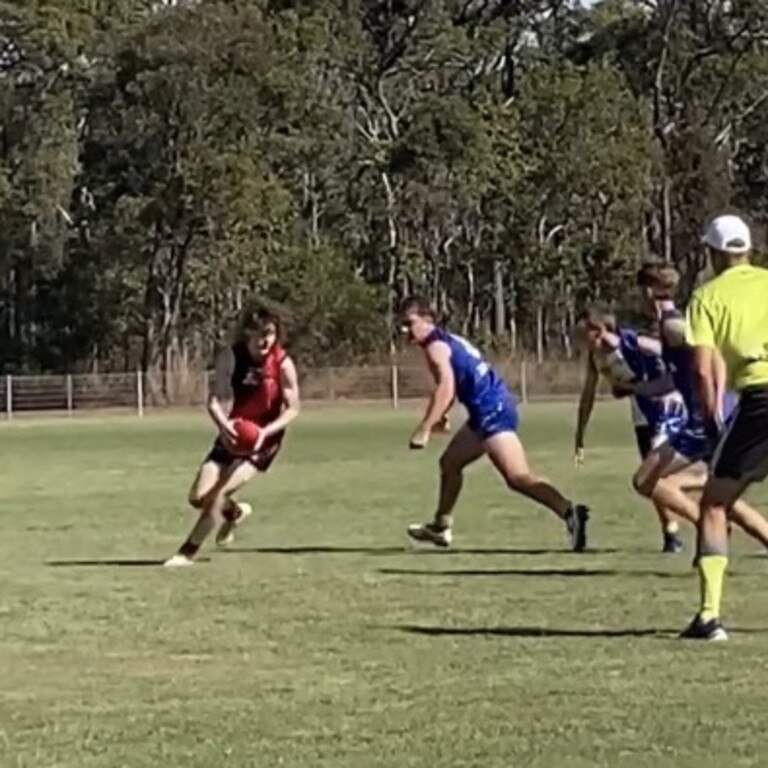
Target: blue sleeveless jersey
x=479 y=388
x=664 y=412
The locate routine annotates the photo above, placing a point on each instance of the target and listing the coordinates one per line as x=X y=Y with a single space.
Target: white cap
x=728 y=234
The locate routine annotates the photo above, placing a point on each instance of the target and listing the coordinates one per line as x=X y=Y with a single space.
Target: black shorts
x=262 y=461
x=742 y=453
x=644 y=439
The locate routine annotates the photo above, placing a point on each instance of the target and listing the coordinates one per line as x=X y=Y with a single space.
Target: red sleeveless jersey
x=256 y=385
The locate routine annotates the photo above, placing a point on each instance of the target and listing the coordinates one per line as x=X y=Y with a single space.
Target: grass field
x=323 y=639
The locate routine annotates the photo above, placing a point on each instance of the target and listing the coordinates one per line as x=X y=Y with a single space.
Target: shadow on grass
x=403 y=550
x=135 y=563
x=527 y=631
x=571 y=572
x=531 y=632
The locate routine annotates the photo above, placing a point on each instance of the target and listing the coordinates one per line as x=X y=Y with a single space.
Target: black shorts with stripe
x=742 y=453
x=262 y=461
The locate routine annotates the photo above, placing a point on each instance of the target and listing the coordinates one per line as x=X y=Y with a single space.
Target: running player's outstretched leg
x=664 y=476
x=464 y=448
x=750 y=521
x=508 y=456
x=212 y=514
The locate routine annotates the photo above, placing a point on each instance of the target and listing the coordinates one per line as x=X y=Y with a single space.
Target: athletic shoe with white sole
x=178 y=561
x=431 y=533
x=226 y=534
x=698 y=629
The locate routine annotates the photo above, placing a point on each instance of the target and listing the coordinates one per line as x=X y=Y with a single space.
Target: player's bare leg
x=212 y=508
x=664 y=477
x=464 y=449
x=669 y=528
x=508 y=456
x=208 y=477
x=677 y=483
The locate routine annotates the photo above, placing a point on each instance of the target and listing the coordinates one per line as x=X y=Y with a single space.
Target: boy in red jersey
x=255 y=380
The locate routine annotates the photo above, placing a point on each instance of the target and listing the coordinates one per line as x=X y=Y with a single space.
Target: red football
x=247 y=435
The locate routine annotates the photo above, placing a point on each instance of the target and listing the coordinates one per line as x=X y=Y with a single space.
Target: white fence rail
x=138 y=391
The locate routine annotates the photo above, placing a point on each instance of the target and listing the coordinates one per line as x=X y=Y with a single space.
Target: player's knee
x=520 y=481
x=199 y=500
x=196 y=500
x=642 y=484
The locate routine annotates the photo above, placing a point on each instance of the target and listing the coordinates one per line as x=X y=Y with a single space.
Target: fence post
x=331 y=385
x=9 y=397
x=523 y=380
x=69 y=395
x=395 y=386
x=139 y=393
x=205 y=391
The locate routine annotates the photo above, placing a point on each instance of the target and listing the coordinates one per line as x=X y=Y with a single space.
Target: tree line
x=162 y=162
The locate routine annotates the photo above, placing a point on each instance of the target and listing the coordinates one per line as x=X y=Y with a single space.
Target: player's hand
x=443 y=427
x=419 y=439
x=259 y=444
x=578 y=458
x=228 y=434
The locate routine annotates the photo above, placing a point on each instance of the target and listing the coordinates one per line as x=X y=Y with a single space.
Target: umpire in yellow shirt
x=727 y=326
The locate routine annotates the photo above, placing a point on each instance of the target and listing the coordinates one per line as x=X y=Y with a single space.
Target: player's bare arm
x=706 y=381
x=220 y=399
x=438 y=356
x=289 y=381
x=586 y=405
x=673 y=330
x=720 y=373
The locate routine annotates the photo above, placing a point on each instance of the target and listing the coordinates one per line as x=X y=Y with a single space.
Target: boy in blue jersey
x=679 y=466
x=632 y=364
x=461 y=373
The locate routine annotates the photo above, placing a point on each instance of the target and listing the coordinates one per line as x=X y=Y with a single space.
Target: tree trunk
x=499 y=321
x=512 y=312
x=393 y=261
x=666 y=220
x=469 y=318
x=539 y=333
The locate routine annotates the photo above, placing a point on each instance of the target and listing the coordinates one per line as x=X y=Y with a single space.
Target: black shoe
x=711 y=630
x=673 y=544
x=576 y=522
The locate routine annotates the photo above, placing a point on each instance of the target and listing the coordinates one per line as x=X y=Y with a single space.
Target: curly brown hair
x=256 y=318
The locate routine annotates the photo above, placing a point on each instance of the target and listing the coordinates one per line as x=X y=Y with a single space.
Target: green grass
x=324 y=640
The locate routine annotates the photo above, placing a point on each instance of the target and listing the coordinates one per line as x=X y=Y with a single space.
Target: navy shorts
x=692 y=444
x=493 y=419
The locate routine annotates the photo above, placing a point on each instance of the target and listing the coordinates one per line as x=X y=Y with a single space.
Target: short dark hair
x=418 y=304
x=660 y=276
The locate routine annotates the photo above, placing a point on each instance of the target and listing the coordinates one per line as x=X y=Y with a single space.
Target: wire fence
x=138 y=391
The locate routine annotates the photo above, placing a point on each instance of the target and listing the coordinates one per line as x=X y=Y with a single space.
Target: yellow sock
x=711 y=574
x=671 y=527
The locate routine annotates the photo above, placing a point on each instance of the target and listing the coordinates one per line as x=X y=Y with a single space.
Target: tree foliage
x=162 y=161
